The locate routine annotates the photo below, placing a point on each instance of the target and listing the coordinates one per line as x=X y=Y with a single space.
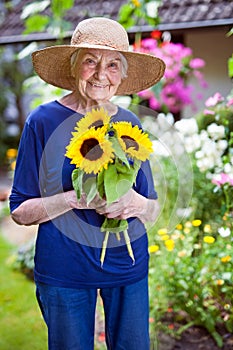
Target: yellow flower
x=179 y=227
x=169 y=244
x=136 y=3
x=209 y=239
x=97 y=118
x=91 y=151
x=226 y=258
x=153 y=248
x=133 y=141
x=220 y=282
x=187 y=230
x=162 y=231
x=207 y=228
x=196 y=223
x=165 y=237
x=13 y=164
x=11 y=153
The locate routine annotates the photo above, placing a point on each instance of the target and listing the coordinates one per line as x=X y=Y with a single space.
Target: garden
x=191 y=243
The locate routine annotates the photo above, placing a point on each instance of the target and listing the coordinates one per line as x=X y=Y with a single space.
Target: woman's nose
x=100 y=72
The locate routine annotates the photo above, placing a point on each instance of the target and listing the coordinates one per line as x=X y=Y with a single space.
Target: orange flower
x=226 y=259
x=220 y=282
x=156 y=34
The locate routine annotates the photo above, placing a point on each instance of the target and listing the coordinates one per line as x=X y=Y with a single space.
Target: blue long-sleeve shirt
x=68 y=248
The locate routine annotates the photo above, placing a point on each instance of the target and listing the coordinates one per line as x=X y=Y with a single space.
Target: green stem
x=104 y=247
x=128 y=244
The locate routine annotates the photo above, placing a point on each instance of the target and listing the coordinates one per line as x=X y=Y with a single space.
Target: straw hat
x=53 y=64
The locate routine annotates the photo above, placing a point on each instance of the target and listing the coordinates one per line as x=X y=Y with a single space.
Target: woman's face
x=99 y=73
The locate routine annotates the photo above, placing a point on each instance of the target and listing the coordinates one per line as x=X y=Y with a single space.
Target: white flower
x=152 y=8
x=196 y=141
x=160 y=149
x=150 y=125
x=221 y=145
x=187 y=126
x=228 y=168
x=224 y=232
x=163 y=123
x=192 y=143
x=216 y=131
x=205 y=164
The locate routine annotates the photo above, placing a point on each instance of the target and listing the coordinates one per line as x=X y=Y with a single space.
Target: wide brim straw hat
x=53 y=64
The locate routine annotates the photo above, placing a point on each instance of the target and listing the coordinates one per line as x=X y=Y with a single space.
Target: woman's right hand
x=97 y=203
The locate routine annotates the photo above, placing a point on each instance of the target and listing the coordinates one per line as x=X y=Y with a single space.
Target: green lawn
x=21 y=324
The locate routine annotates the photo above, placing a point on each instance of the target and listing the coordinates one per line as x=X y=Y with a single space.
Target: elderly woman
x=95 y=67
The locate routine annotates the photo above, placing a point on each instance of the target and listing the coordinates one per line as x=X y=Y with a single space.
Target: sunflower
x=97 y=118
x=90 y=151
x=133 y=141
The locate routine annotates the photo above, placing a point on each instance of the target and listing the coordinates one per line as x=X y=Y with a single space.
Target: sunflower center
x=97 y=124
x=91 y=149
x=129 y=142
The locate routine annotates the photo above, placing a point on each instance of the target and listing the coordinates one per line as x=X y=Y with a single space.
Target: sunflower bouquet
x=107 y=156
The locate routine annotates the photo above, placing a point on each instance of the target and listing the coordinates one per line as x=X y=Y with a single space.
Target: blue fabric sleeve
x=26 y=177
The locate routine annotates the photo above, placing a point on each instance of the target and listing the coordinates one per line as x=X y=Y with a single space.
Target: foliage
x=20 y=319
x=191 y=276
x=174 y=91
x=56 y=24
x=24 y=259
x=191 y=264
x=138 y=12
x=12 y=74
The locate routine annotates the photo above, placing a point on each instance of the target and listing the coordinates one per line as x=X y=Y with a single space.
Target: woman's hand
x=130 y=205
x=37 y=210
x=97 y=203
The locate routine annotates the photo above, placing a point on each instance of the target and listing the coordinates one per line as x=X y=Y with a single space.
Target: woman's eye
x=113 y=65
x=90 y=62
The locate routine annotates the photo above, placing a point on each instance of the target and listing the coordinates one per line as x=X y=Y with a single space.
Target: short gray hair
x=75 y=56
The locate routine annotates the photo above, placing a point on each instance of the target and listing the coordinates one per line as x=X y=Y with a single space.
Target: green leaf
x=119 y=151
x=125 y=13
x=230 y=32
x=77 y=178
x=36 y=23
x=230 y=67
x=217 y=337
x=60 y=7
x=90 y=188
x=100 y=183
x=114 y=225
x=118 y=180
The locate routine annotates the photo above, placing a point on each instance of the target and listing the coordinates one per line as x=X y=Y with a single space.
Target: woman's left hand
x=132 y=204
x=129 y=205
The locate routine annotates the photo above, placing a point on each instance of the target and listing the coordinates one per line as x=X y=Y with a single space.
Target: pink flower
x=154 y=103
x=223 y=178
x=196 y=63
x=149 y=44
x=208 y=112
x=214 y=100
x=230 y=102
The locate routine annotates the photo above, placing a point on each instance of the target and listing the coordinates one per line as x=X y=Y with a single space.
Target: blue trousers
x=70 y=316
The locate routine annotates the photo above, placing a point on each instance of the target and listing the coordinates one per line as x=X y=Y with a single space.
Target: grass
x=21 y=324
